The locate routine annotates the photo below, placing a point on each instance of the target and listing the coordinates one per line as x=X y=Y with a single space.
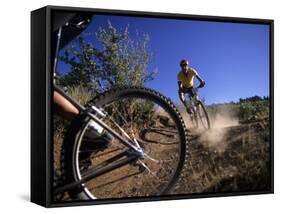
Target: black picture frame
x=41 y=103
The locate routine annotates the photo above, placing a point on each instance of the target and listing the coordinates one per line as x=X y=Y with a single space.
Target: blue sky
x=232 y=58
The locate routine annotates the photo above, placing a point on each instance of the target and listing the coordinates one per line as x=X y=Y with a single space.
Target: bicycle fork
x=98 y=171
x=134 y=153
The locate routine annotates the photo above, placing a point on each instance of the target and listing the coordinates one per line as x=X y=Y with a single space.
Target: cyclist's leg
x=182 y=97
x=186 y=102
x=190 y=92
x=191 y=95
x=63 y=107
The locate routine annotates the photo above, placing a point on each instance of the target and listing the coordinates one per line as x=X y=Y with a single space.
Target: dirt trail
x=232 y=156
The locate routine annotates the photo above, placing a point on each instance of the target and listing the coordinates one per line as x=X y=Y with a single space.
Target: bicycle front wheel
x=202 y=116
x=157 y=128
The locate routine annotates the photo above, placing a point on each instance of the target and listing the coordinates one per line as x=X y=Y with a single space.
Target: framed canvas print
x=140 y=106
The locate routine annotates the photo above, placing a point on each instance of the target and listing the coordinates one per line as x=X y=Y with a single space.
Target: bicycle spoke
x=158 y=151
x=110 y=182
x=146 y=167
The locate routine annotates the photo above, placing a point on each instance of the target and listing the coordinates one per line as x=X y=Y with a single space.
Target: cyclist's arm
x=63 y=107
x=202 y=82
x=181 y=94
x=195 y=73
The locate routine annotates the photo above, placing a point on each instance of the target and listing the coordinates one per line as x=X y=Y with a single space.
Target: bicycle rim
x=158 y=131
x=203 y=116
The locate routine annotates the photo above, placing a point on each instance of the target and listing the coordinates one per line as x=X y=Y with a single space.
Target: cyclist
x=185 y=82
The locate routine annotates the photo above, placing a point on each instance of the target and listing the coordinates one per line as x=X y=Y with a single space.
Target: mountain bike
x=197 y=110
x=134 y=164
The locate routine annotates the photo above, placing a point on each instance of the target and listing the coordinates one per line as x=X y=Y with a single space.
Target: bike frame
x=195 y=105
x=195 y=98
x=83 y=110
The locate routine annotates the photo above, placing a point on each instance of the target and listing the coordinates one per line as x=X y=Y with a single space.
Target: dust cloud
x=215 y=137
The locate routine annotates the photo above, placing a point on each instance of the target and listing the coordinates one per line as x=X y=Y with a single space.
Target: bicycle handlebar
x=80 y=25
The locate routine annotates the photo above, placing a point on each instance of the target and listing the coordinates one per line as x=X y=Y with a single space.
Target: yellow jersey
x=187 y=79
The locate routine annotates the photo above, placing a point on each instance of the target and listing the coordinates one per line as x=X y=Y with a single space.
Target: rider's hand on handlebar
x=202 y=84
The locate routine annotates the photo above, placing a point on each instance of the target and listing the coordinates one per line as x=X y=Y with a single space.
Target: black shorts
x=188 y=91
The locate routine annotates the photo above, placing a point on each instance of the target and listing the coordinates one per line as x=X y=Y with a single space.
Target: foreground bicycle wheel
x=203 y=116
x=148 y=117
